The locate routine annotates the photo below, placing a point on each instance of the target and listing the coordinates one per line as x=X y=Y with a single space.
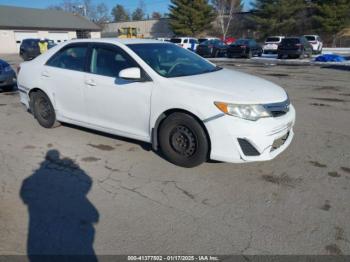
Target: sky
x=151 y=5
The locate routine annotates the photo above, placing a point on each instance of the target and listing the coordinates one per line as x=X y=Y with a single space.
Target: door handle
x=90 y=82
x=45 y=74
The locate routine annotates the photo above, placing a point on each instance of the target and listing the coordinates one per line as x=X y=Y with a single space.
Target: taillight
x=18 y=69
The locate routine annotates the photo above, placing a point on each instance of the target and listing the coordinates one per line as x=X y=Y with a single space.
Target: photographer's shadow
x=61 y=218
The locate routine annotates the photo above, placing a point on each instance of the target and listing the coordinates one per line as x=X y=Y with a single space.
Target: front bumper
x=289 y=52
x=7 y=79
x=236 y=52
x=226 y=131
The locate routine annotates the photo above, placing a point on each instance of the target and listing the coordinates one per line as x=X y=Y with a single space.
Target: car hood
x=236 y=87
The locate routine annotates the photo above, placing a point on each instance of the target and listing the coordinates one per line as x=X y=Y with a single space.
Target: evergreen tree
x=332 y=16
x=279 y=17
x=190 y=17
x=120 y=14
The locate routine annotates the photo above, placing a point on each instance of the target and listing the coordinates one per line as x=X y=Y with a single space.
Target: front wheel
x=183 y=140
x=43 y=110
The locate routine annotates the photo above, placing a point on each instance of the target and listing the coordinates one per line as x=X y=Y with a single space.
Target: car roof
x=125 y=41
x=3 y=63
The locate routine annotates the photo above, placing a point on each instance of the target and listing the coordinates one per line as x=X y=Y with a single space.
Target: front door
x=63 y=75
x=114 y=103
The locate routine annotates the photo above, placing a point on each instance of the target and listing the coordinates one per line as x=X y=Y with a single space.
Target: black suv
x=244 y=48
x=294 y=47
x=29 y=48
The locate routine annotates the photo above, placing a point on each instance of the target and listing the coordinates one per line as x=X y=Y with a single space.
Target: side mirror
x=132 y=73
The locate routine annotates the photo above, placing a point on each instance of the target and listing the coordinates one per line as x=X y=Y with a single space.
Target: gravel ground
x=71 y=190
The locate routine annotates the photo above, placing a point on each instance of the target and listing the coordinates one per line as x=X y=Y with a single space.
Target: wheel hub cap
x=183 y=141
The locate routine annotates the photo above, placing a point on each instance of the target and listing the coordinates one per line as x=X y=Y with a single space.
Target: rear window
x=201 y=40
x=310 y=38
x=175 y=40
x=272 y=40
x=291 y=41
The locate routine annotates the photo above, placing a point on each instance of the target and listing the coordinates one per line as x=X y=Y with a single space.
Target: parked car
x=186 y=42
x=294 y=47
x=212 y=48
x=244 y=48
x=157 y=92
x=29 y=48
x=7 y=76
x=271 y=44
x=316 y=43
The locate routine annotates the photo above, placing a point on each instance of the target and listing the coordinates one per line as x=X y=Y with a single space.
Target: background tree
x=226 y=10
x=140 y=11
x=190 y=17
x=138 y=14
x=102 y=13
x=120 y=14
x=331 y=17
x=156 y=15
x=278 y=17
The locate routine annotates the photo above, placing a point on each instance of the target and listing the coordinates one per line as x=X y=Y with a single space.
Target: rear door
x=113 y=103
x=63 y=76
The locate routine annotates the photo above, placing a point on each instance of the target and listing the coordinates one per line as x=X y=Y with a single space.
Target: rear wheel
x=43 y=110
x=183 y=140
x=250 y=54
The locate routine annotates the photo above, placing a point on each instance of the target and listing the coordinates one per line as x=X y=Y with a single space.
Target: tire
x=229 y=55
x=215 y=53
x=183 y=141
x=43 y=110
x=250 y=54
x=302 y=55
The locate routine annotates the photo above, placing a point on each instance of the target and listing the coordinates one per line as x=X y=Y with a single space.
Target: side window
x=110 y=61
x=72 y=58
x=186 y=41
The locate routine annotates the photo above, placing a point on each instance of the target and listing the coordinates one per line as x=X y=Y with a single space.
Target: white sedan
x=188 y=108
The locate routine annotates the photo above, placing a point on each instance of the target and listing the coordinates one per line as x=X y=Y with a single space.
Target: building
x=17 y=23
x=153 y=28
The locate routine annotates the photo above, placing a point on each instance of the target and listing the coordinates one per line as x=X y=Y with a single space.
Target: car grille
x=279 y=142
x=278 y=109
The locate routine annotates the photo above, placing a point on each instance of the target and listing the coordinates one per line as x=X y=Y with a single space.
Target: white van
x=190 y=43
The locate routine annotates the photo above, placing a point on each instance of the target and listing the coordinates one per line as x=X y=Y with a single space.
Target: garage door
x=21 y=35
x=58 y=37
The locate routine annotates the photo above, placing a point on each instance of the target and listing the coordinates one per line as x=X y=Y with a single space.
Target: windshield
x=169 y=60
x=241 y=42
x=291 y=41
x=176 y=40
x=310 y=38
x=272 y=40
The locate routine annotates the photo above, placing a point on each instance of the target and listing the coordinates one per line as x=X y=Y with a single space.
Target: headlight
x=8 y=69
x=249 y=112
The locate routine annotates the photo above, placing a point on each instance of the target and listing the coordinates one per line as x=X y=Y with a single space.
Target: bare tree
x=226 y=11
